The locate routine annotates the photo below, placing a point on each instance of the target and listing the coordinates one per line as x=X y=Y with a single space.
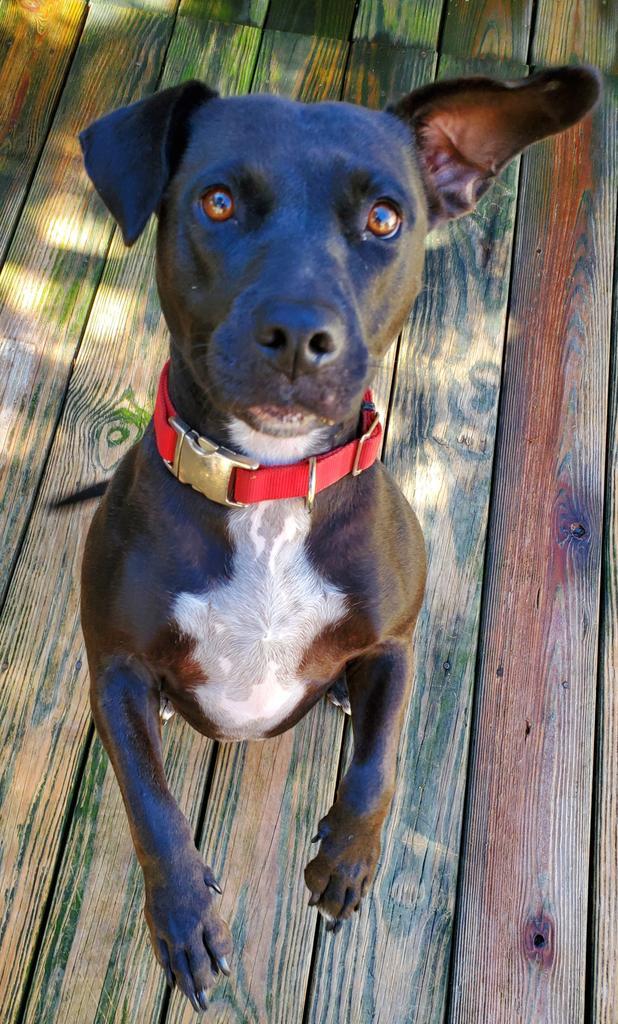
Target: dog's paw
x=339 y=877
x=191 y=941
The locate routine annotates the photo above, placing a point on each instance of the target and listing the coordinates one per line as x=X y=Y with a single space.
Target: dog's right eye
x=218 y=203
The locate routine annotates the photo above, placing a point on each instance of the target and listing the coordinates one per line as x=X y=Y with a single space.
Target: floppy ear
x=131 y=154
x=468 y=129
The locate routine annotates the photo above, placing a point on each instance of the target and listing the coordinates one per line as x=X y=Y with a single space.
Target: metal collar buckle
x=204 y=465
x=311 y=483
x=356 y=469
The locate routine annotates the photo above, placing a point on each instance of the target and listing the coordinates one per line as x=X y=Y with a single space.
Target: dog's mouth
x=284 y=420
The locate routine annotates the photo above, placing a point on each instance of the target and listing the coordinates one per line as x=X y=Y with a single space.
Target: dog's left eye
x=384 y=219
x=218 y=203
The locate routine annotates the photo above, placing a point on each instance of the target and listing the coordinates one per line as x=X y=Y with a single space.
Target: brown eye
x=218 y=204
x=383 y=220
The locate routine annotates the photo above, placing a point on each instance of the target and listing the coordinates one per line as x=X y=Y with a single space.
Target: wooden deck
x=497 y=897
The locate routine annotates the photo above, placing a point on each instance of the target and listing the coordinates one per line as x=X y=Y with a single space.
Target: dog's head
x=291 y=235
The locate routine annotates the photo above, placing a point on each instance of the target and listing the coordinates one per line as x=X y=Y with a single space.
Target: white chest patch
x=251 y=632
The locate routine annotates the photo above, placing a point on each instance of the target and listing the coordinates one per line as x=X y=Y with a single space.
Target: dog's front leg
x=191 y=941
x=340 y=875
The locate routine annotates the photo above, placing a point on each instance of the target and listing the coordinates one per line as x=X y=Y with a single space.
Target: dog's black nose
x=299 y=339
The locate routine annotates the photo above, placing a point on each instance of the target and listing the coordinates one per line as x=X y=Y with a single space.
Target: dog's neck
x=225 y=429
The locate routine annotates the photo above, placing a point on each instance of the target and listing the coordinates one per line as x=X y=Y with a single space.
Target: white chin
x=270 y=450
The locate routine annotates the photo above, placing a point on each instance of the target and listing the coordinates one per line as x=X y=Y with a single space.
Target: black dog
x=290 y=250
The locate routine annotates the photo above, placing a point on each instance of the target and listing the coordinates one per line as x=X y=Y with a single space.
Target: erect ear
x=468 y=129
x=131 y=154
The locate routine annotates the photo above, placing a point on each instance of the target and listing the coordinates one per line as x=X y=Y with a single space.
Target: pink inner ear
x=476 y=137
x=459 y=181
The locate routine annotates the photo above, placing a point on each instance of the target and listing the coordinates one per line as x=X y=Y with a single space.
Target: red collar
x=231 y=479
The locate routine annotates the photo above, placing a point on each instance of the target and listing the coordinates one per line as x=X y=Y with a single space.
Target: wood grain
x=300 y=66
x=55 y=260
x=37 y=41
x=399 y=21
x=147 y=6
x=45 y=713
x=571 y=31
x=312 y=17
x=242 y=12
x=524 y=890
x=393 y=965
x=95 y=927
x=487 y=28
x=604 y=910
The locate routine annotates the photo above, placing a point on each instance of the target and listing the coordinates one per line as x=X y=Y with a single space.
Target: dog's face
x=299 y=234
x=291 y=235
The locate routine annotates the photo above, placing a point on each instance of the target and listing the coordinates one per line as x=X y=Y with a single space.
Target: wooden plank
x=571 y=31
x=300 y=66
x=266 y=798
x=312 y=17
x=37 y=44
x=95 y=928
x=56 y=257
x=525 y=881
x=45 y=707
x=604 y=930
x=242 y=12
x=487 y=28
x=32 y=807
x=399 y=21
x=393 y=964
x=148 y=6
x=380 y=73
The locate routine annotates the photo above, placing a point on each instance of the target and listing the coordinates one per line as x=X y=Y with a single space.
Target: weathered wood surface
x=45 y=714
x=301 y=66
x=242 y=12
x=41 y=729
x=312 y=17
x=523 y=900
x=488 y=28
x=147 y=6
x=56 y=257
x=399 y=21
x=604 y=908
x=37 y=41
x=571 y=31
x=95 y=927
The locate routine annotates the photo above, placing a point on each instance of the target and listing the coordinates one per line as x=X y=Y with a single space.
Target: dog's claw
x=314 y=899
x=334 y=926
x=193 y=1000
x=211 y=882
x=202 y=999
x=223 y=965
x=322 y=831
